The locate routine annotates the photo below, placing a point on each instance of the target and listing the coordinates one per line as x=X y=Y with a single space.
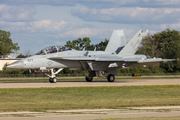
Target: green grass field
x=40 y=99
x=144 y=118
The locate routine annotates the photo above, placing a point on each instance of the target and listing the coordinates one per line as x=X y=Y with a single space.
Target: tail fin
x=116 y=42
x=133 y=44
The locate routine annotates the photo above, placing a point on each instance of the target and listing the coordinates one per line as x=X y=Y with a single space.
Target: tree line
x=164 y=44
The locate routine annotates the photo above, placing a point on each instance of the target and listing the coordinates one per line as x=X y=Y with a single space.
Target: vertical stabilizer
x=116 y=42
x=133 y=44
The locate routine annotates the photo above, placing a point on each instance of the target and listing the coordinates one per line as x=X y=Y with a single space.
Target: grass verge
x=143 y=118
x=39 y=99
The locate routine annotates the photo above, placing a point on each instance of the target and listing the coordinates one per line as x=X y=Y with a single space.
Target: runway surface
x=130 y=82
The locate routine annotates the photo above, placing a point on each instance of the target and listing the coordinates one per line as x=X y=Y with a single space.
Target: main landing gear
x=89 y=79
x=91 y=74
x=53 y=78
x=110 y=78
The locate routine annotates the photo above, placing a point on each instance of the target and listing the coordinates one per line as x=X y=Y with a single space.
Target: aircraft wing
x=73 y=58
x=111 y=59
x=84 y=58
x=115 y=59
x=113 y=62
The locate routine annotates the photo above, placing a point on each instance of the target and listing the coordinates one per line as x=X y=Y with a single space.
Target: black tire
x=89 y=79
x=54 y=80
x=110 y=78
x=51 y=80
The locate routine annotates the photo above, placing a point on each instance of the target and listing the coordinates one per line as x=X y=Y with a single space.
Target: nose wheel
x=52 y=77
x=53 y=80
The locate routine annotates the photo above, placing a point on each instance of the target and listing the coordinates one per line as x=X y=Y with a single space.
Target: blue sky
x=35 y=24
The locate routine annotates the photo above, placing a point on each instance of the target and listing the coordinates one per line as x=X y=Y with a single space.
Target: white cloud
x=52 y=28
x=12 y=24
x=49 y=25
x=160 y=27
x=128 y=15
x=40 y=2
x=165 y=2
x=98 y=4
x=81 y=32
x=95 y=32
x=40 y=26
x=175 y=26
x=16 y=13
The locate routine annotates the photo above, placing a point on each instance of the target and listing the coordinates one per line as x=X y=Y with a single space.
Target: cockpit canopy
x=52 y=49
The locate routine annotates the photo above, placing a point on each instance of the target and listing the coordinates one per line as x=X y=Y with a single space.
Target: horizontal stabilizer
x=155 y=60
x=150 y=60
x=165 y=60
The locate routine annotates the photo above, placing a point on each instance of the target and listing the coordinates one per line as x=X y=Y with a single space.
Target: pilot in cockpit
x=60 y=49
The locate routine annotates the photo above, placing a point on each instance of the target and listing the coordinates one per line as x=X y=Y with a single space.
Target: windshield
x=52 y=49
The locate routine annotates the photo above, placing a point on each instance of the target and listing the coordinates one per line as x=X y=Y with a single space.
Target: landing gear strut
x=53 y=78
x=90 y=75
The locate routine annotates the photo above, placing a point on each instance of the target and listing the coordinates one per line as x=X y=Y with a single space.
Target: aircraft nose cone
x=16 y=65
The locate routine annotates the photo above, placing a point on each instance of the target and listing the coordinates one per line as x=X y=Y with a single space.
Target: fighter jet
x=117 y=55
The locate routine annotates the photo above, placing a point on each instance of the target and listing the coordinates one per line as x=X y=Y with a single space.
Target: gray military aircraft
x=117 y=55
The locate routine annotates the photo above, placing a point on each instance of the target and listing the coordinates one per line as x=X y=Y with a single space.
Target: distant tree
x=169 y=46
x=6 y=44
x=22 y=56
x=28 y=52
x=166 y=45
x=102 y=45
x=169 y=43
x=79 y=44
x=149 y=46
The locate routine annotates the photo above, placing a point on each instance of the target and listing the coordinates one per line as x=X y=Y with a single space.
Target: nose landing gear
x=53 y=78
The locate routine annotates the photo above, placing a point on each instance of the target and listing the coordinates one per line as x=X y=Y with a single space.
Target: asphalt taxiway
x=128 y=82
